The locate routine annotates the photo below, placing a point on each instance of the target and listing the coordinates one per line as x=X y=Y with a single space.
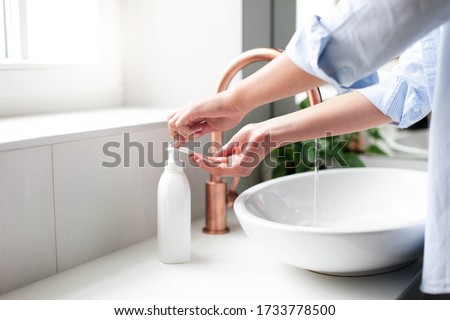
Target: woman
x=344 y=48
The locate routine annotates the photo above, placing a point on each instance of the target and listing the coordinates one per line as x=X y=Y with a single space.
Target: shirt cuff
x=398 y=100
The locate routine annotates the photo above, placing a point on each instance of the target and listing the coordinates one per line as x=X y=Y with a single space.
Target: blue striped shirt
x=357 y=37
x=405 y=96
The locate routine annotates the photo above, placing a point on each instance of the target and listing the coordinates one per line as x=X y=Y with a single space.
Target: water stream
x=316 y=179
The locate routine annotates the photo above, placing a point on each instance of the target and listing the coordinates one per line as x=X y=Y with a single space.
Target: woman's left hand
x=246 y=149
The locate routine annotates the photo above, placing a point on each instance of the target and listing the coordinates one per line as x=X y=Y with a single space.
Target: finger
x=234 y=148
x=180 y=140
x=217 y=160
x=192 y=161
x=250 y=147
x=203 y=161
x=248 y=161
x=201 y=129
x=185 y=128
x=177 y=143
x=217 y=168
x=228 y=149
x=223 y=166
x=171 y=124
x=181 y=132
x=225 y=170
x=189 y=118
x=234 y=145
x=173 y=113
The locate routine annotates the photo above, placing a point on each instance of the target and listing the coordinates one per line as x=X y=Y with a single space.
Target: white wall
x=174 y=50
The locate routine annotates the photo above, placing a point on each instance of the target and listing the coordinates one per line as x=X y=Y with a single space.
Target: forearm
x=279 y=79
x=343 y=114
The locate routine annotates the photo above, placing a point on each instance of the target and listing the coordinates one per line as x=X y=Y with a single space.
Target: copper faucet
x=218 y=197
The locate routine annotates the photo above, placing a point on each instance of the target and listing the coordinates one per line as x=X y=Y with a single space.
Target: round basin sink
x=367 y=220
x=413 y=143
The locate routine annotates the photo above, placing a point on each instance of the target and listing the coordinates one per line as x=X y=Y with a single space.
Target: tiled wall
x=27 y=220
x=59 y=207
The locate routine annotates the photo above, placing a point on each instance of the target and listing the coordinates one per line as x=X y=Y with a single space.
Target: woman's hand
x=198 y=118
x=246 y=149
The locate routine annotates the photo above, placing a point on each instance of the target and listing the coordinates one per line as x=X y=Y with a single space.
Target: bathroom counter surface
x=223 y=267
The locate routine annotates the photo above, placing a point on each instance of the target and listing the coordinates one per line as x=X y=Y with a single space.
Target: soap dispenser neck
x=172 y=165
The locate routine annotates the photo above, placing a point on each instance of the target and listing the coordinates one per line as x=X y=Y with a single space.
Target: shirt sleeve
x=357 y=37
x=403 y=95
x=307 y=45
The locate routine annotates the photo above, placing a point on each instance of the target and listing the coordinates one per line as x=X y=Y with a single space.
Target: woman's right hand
x=200 y=117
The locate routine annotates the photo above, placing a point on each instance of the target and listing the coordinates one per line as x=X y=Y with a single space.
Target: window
x=49 y=31
x=59 y=55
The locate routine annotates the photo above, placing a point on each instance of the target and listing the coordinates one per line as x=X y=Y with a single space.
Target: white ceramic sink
x=412 y=143
x=368 y=220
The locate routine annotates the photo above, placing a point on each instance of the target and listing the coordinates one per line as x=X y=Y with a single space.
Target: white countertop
x=37 y=130
x=223 y=267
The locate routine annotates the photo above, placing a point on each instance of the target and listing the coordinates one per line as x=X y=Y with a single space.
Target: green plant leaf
x=301 y=168
x=289 y=152
x=297 y=155
x=375 y=133
x=275 y=152
x=324 y=144
x=375 y=150
x=308 y=154
x=279 y=171
x=304 y=104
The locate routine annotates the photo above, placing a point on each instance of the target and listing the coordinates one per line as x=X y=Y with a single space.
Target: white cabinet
x=99 y=209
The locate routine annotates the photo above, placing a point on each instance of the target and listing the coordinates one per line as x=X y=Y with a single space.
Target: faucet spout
x=218 y=196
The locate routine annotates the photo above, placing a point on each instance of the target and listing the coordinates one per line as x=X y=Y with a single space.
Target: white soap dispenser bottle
x=174 y=213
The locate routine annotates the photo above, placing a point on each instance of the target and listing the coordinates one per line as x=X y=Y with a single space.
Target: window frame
x=3 y=44
x=15 y=39
x=14 y=30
